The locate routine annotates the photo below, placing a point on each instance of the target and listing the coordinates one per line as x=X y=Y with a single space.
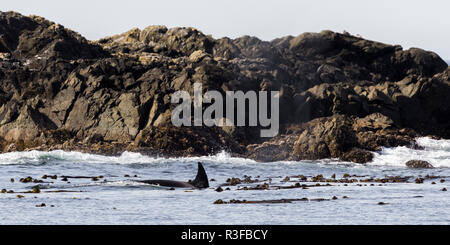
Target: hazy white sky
x=410 y=23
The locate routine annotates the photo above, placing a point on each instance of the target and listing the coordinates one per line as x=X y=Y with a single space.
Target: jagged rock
x=185 y=141
x=198 y=55
x=357 y=155
x=338 y=136
x=339 y=92
x=173 y=42
x=11 y=148
x=277 y=149
x=312 y=44
x=36 y=37
x=325 y=138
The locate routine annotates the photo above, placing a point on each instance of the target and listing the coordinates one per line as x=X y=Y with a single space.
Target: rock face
x=340 y=96
x=357 y=155
x=37 y=38
x=337 y=136
x=418 y=164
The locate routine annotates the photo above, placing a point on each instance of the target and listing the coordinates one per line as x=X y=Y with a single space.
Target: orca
x=200 y=181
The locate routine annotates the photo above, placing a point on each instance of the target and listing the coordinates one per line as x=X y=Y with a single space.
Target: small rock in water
x=444 y=189
x=219 y=201
x=419 y=181
x=418 y=164
x=382 y=203
x=20 y=196
x=41 y=205
x=219 y=189
x=26 y=180
x=12 y=180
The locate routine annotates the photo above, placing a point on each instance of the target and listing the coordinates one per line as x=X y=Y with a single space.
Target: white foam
x=59 y=156
x=221 y=157
x=432 y=144
x=39 y=157
x=436 y=152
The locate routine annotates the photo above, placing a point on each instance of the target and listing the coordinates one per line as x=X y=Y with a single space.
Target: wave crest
x=60 y=156
x=436 y=152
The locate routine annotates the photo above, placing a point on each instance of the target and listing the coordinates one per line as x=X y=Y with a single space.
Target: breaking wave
x=59 y=156
x=436 y=152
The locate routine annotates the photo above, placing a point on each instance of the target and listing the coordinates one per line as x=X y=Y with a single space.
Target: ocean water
x=116 y=198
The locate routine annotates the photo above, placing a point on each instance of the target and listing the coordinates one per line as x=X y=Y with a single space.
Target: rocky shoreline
x=341 y=96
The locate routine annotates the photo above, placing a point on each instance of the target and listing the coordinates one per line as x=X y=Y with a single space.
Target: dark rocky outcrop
x=340 y=96
x=37 y=38
x=338 y=136
x=357 y=155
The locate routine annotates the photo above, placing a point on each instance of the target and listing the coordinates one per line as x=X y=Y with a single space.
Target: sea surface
x=116 y=198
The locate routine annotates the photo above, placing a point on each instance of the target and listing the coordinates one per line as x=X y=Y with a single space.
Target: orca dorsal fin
x=201 y=180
